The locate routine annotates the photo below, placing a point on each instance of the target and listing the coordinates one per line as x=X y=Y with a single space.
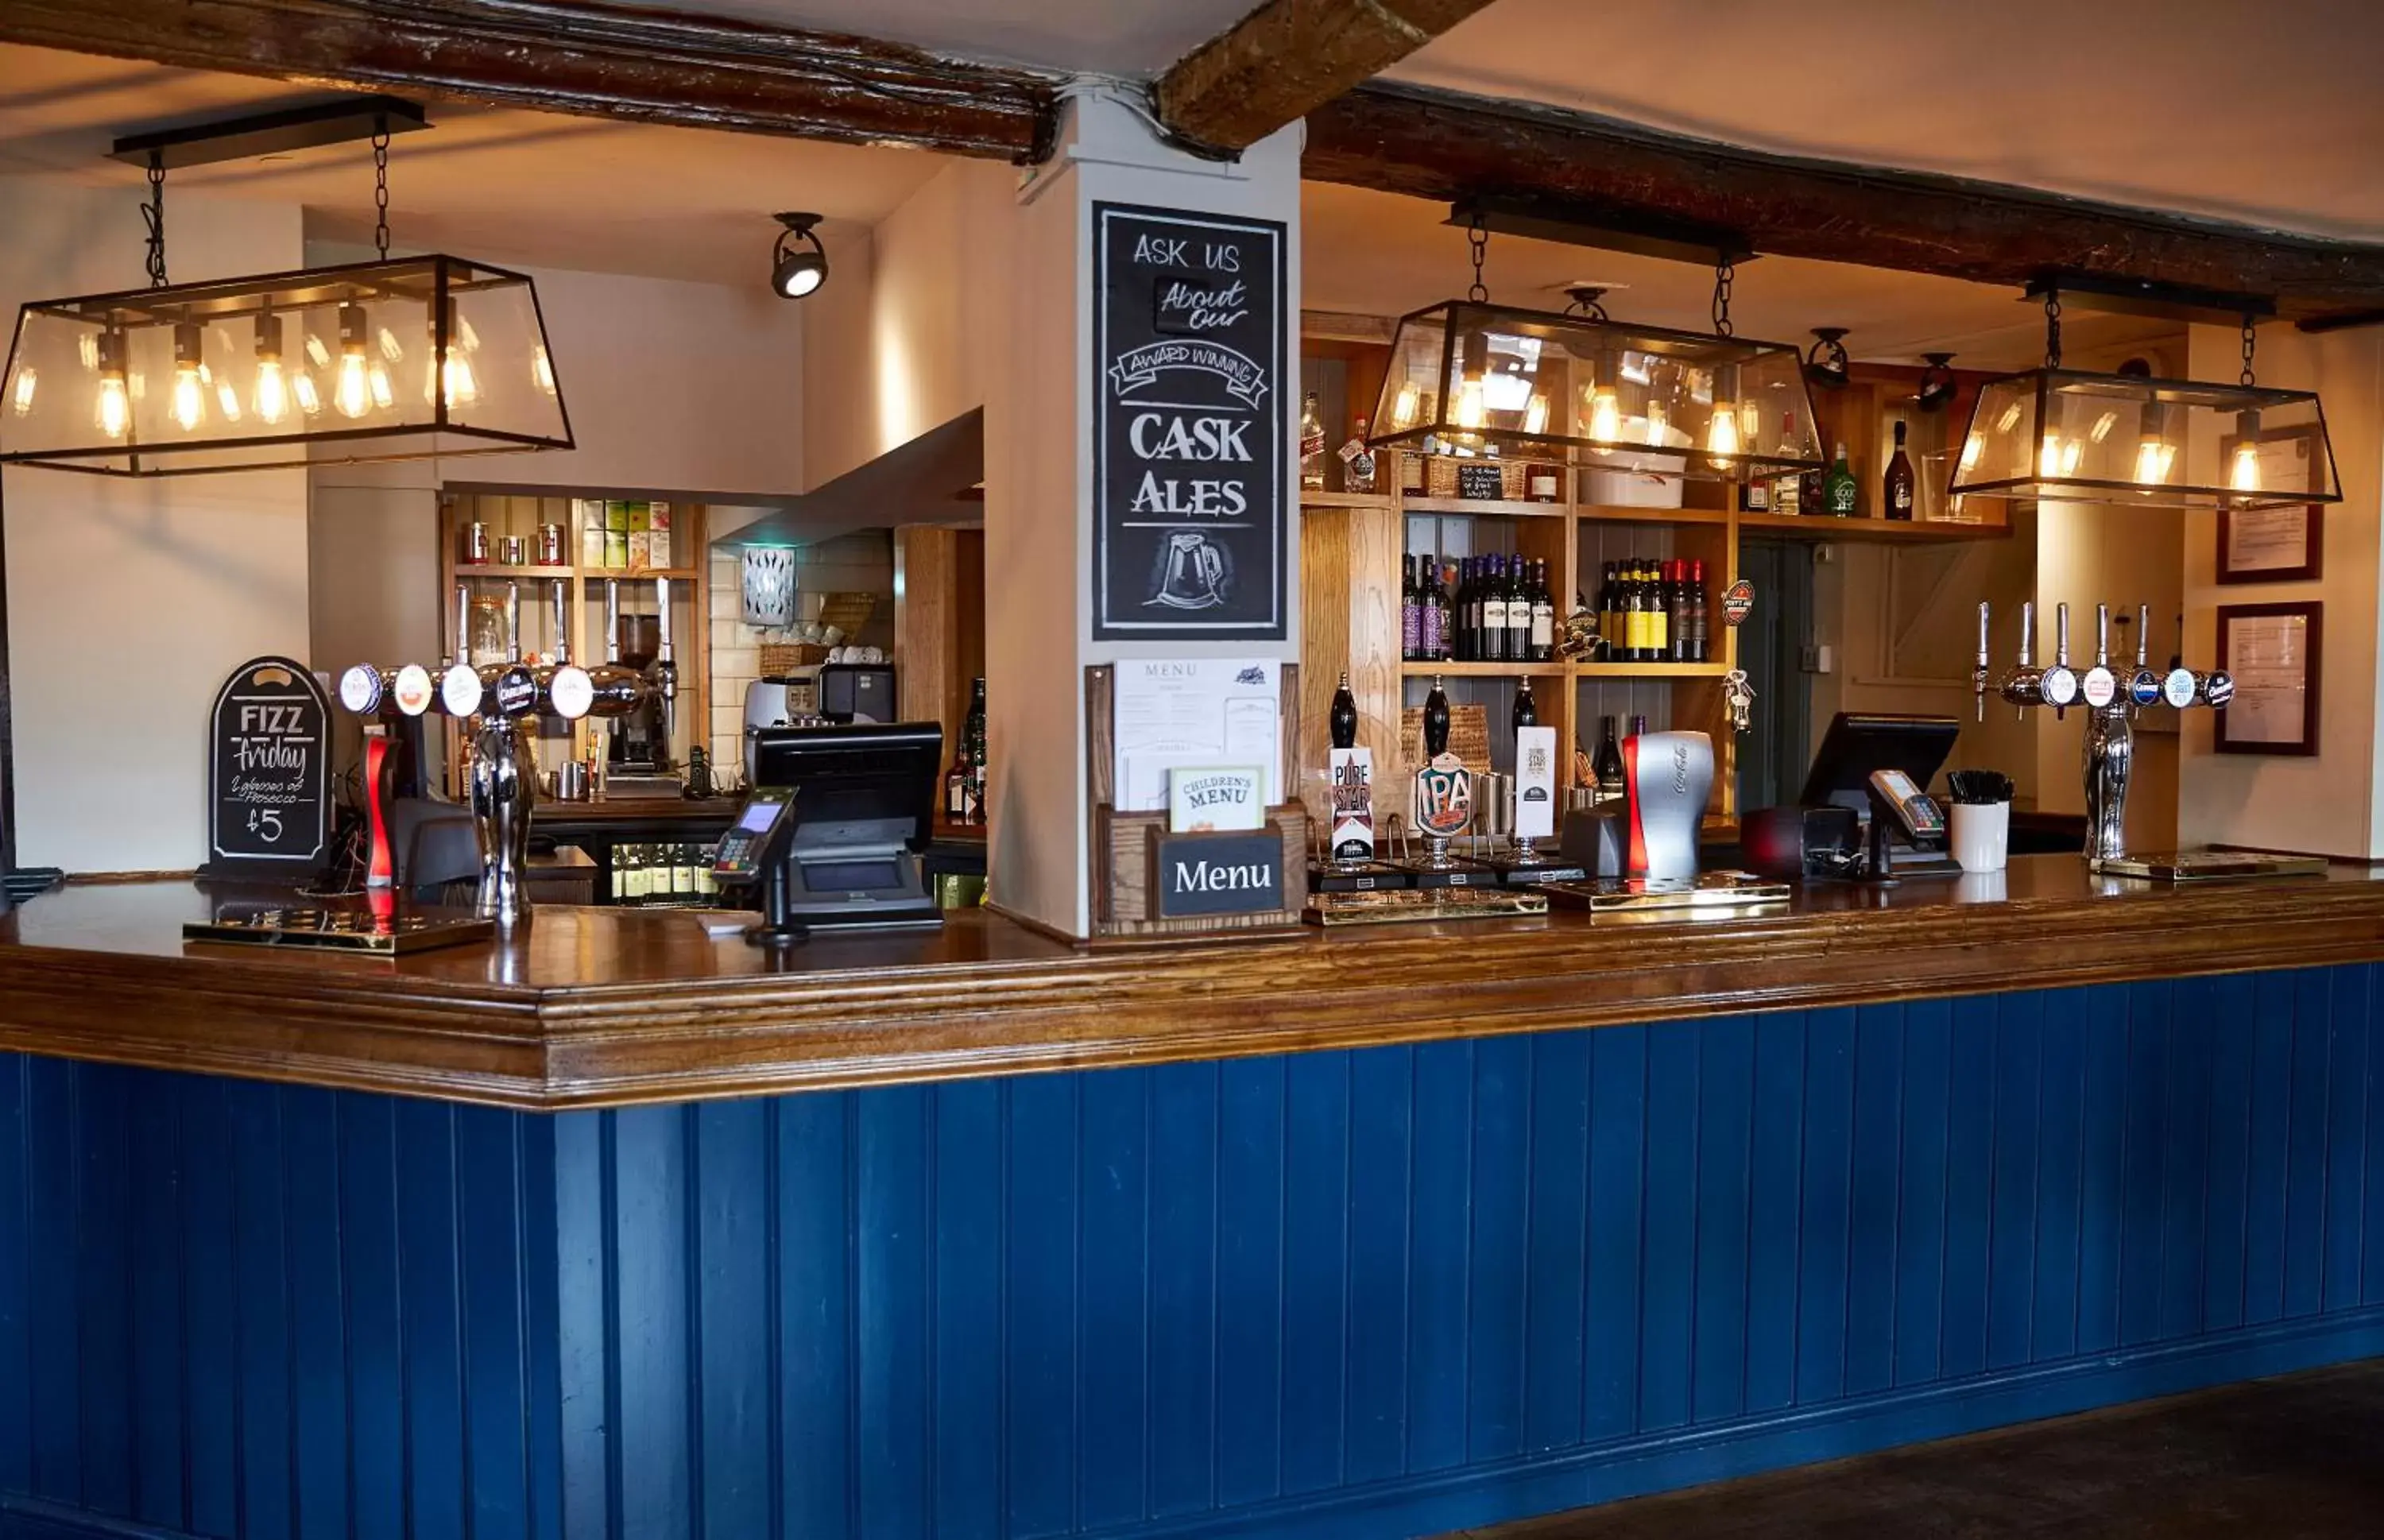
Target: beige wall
x=2327 y=804
x=130 y=603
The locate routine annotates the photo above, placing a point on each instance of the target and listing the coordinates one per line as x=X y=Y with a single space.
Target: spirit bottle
x=1311 y=445
x=1840 y=492
x=1356 y=461
x=1897 y=503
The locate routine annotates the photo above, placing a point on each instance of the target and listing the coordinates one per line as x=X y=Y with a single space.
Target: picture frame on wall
x=2273 y=651
x=2276 y=545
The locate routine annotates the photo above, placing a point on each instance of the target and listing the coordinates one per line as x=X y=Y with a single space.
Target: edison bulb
x=1469 y=403
x=2102 y=426
x=1605 y=414
x=462 y=386
x=2009 y=419
x=1659 y=425
x=227 y=400
x=113 y=412
x=271 y=393
x=353 y=394
x=2154 y=458
x=21 y=400
x=1536 y=416
x=188 y=407
x=2048 y=456
x=541 y=370
x=1403 y=407
x=390 y=349
x=2244 y=471
x=1722 y=435
x=87 y=346
x=302 y=386
x=378 y=378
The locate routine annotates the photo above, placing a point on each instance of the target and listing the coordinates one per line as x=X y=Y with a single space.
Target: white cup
x=1981 y=835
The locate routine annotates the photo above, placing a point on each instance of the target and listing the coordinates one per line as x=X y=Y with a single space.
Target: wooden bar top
x=599 y=1007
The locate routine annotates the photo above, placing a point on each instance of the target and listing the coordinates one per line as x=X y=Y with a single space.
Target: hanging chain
x=2053 y=329
x=153 y=214
x=1725 y=273
x=380 y=186
x=2251 y=342
x=1479 y=236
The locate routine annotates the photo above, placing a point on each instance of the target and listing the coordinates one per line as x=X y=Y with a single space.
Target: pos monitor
x=830 y=833
x=1859 y=742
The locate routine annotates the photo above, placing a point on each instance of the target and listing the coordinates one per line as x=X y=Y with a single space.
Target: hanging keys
x=1739 y=696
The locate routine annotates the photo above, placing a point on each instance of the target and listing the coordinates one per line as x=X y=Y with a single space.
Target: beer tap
x=1980 y=674
x=460 y=690
x=2024 y=686
x=2059 y=685
x=666 y=670
x=2182 y=686
x=2143 y=685
x=2109 y=751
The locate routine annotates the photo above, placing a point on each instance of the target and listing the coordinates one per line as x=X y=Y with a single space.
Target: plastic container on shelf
x=1637 y=482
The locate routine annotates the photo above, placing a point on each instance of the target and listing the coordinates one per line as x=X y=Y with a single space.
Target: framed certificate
x=2273 y=652
x=2276 y=545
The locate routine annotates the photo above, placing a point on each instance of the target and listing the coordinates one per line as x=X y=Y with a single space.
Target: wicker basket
x=849 y=611
x=784 y=657
x=1440 y=476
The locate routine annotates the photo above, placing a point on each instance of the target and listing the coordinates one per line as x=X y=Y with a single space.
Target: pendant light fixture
x=1475 y=380
x=291 y=368
x=2061 y=435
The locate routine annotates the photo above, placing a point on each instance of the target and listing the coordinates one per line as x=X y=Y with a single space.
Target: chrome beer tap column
x=666 y=671
x=2110 y=750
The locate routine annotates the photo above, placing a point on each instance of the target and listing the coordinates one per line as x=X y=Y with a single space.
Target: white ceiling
x=1114 y=37
x=503 y=186
x=2264 y=111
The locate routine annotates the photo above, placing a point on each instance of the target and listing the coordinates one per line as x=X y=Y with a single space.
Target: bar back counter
x=611 y=1230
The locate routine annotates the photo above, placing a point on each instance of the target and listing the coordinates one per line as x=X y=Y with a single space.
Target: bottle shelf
x=1614 y=514
x=1486 y=507
x=1311 y=498
x=1826 y=527
x=1561 y=670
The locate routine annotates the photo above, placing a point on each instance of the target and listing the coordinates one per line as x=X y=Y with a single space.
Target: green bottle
x=1838 y=490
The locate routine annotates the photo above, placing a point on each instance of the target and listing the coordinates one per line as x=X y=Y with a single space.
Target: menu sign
x=268 y=773
x=1190 y=453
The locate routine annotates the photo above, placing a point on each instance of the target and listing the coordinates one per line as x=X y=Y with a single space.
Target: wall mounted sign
x=2276 y=545
x=1190 y=452
x=1220 y=874
x=2273 y=651
x=1737 y=602
x=268 y=773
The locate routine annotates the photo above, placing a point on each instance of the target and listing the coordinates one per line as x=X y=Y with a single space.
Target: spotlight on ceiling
x=797 y=269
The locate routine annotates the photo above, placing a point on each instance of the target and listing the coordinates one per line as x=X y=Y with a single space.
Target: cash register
x=831 y=833
x=1864 y=814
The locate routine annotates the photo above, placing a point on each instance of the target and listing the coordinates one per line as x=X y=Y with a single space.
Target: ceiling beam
x=1288 y=57
x=609 y=61
x=1447 y=147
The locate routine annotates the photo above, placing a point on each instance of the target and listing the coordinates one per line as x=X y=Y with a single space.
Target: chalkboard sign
x=270 y=773
x=1480 y=483
x=1190 y=448
x=1220 y=874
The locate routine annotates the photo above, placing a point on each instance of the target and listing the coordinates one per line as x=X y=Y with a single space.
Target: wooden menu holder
x=1124 y=846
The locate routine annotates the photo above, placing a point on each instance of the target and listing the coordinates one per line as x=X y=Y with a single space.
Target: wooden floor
x=2298 y=1458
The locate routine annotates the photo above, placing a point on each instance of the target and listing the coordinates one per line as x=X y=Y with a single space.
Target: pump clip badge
x=1737 y=602
x=1444 y=797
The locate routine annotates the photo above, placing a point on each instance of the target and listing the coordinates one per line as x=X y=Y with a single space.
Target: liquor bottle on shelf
x=1897 y=502
x=1411 y=610
x=1357 y=462
x=683 y=873
x=1518 y=612
x=1609 y=611
x=1840 y=494
x=1311 y=445
x=1787 y=491
x=629 y=874
x=1498 y=611
x=1541 y=481
x=1527 y=711
x=1543 y=616
x=973 y=734
x=1660 y=617
x=956 y=784
x=1607 y=765
x=1700 y=615
x=1684 y=648
x=1638 y=724
x=1432 y=621
x=1461 y=611
x=1811 y=490
x=1489 y=611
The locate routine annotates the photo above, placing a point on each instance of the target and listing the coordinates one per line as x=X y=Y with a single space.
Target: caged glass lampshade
x=1470 y=378
x=392 y=360
x=2075 y=436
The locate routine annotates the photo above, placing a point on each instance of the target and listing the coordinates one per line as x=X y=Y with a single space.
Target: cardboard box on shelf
x=616 y=550
x=641 y=550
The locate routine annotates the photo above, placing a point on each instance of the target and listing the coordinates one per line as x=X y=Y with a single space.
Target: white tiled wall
x=861 y=561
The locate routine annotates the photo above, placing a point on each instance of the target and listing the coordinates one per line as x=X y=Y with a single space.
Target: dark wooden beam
x=1446 y=147
x=1289 y=57
x=691 y=71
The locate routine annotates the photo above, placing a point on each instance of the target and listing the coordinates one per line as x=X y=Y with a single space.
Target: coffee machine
x=637 y=757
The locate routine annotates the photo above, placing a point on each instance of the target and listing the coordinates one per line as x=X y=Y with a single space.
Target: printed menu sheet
x=2269 y=656
x=1190 y=712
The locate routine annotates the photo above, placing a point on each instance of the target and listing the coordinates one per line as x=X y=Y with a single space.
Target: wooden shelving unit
x=510 y=514
x=1822 y=527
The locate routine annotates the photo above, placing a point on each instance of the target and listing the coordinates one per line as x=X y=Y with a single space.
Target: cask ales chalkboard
x=1189 y=446
x=270 y=773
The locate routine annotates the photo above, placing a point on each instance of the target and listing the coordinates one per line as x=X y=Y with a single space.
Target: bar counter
x=610 y=1008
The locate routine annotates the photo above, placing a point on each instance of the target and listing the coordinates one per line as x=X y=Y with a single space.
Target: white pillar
x=1040 y=407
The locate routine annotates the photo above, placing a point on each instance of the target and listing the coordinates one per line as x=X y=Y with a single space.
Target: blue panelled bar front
x=1380 y=1292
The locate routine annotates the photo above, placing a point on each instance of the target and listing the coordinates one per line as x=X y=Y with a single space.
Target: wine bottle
x=1411 y=611
x=1607 y=765
x=1543 y=616
x=1897 y=502
x=1660 y=616
x=1677 y=593
x=1493 y=634
x=1527 y=711
x=1519 y=611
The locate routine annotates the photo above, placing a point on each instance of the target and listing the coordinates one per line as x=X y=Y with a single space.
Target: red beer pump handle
x=379 y=787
